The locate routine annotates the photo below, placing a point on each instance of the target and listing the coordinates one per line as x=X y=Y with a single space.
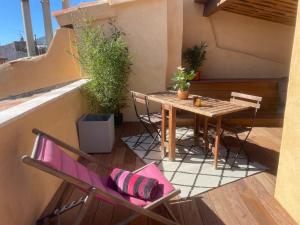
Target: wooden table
x=210 y=108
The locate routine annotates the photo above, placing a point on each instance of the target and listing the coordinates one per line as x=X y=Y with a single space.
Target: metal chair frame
x=253 y=102
x=146 y=123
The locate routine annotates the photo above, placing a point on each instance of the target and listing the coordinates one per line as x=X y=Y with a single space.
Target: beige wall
x=239 y=46
x=145 y=25
x=287 y=190
x=154 y=36
x=175 y=34
x=56 y=66
x=25 y=191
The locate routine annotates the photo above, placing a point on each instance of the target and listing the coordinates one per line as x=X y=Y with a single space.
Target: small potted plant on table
x=181 y=81
x=194 y=58
x=105 y=59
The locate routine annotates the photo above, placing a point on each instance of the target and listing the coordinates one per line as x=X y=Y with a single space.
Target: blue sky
x=11 y=23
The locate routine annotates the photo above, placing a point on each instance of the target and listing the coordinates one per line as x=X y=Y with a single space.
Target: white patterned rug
x=191 y=171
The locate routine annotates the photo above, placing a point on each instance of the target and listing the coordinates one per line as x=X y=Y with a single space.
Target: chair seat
x=154 y=118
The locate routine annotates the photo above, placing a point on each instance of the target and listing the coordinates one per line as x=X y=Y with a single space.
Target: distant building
x=17 y=49
x=14 y=50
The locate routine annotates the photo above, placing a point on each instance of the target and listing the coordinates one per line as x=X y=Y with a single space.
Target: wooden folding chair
x=49 y=156
x=150 y=121
x=251 y=101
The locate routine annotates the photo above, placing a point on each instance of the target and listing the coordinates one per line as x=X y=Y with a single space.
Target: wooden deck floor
x=247 y=201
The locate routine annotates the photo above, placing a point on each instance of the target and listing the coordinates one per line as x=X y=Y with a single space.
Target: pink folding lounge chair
x=49 y=155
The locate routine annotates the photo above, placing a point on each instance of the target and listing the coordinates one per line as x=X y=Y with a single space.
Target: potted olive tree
x=194 y=58
x=181 y=81
x=105 y=59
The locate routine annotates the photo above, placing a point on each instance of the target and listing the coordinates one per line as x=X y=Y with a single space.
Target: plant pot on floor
x=197 y=75
x=96 y=133
x=118 y=119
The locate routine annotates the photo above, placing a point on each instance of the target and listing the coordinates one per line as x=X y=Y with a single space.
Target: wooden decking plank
x=190 y=212
x=267 y=181
x=255 y=205
x=91 y=213
x=207 y=210
x=241 y=211
x=119 y=214
x=70 y=216
x=273 y=208
x=62 y=195
x=223 y=207
x=140 y=220
x=65 y=198
x=104 y=214
x=160 y=210
x=175 y=207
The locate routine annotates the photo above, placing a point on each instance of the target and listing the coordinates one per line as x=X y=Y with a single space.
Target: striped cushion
x=134 y=184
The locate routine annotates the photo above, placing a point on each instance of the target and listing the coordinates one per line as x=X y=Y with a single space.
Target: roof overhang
x=283 y=11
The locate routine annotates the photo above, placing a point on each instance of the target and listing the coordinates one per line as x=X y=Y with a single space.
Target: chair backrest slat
x=142 y=99
x=251 y=101
x=246 y=96
x=246 y=100
x=245 y=103
x=139 y=97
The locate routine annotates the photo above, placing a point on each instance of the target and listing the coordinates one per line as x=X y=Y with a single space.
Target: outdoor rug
x=192 y=171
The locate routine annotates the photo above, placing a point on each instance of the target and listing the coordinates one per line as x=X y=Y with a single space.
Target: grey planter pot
x=96 y=133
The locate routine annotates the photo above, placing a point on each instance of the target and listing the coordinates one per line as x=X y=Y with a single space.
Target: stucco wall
x=287 y=190
x=239 y=46
x=146 y=26
x=56 y=66
x=25 y=191
x=175 y=34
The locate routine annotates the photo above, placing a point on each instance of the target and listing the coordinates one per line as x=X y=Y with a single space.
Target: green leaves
x=194 y=57
x=105 y=58
x=181 y=79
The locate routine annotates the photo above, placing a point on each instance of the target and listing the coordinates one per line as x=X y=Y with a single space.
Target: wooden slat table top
x=209 y=106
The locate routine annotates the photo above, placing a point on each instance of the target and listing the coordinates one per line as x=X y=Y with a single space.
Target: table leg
x=217 y=142
x=163 y=132
x=172 y=133
x=196 y=129
x=205 y=134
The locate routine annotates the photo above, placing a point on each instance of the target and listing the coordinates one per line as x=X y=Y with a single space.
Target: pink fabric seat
x=53 y=156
